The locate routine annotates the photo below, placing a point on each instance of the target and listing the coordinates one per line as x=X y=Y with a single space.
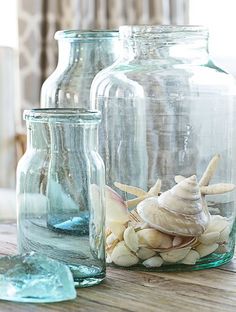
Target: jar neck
x=182 y=44
x=70 y=138
x=60 y=137
x=90 y=53
x=38 y=136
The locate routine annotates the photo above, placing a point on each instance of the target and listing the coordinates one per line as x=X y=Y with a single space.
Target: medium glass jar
x=168 y=113
x=82 y=54
x=60 y=191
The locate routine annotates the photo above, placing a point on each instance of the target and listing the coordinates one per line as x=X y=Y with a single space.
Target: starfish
x=205 y=188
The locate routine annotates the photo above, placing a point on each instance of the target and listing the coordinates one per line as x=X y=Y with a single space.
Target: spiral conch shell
x=178 y=211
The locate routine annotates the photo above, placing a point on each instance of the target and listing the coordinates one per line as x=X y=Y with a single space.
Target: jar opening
x=85 y=34
x=77 y=115
x=162 y=31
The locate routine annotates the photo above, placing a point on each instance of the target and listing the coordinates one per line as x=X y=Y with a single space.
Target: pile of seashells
x=170 y=227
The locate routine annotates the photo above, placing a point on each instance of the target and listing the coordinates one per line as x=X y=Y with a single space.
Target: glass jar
x=82 y=54
x=168 y=113
x=60 y=191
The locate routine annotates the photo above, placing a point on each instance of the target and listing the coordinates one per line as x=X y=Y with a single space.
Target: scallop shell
x=178 y=211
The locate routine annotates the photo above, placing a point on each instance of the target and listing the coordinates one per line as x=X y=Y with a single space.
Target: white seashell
x=153 y=262
x=108 y=258
x=166 y=241
x=116 y=209
x=217 y=224
x=177 y=241
x=117 y=229
x=205 y=250
x=153 y=238
x=179 y=178
x=145 y=253
x=221 y=249
x=175 y=255
x=224 y=235
x=179 y=211
x=209 y=238
x=122 y=255
x=191 y=257
x=111 y=239
x=131 y=239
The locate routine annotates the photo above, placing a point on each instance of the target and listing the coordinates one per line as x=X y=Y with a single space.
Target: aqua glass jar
x=60 y=191
x=82 y=54
x=167 y=138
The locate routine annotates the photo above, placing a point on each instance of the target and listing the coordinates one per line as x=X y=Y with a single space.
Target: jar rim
x=135 y=31
x=73 y=34
x=76 y=115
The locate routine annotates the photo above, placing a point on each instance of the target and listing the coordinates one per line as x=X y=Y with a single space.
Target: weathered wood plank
x=132 y=291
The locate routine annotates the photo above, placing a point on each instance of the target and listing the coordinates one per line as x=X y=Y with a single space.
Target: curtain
x=39 y=19
x=8 y=99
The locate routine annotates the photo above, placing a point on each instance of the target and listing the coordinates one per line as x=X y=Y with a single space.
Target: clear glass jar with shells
x=167 y=140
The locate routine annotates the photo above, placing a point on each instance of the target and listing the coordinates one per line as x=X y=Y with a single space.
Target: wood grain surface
x=207 y=290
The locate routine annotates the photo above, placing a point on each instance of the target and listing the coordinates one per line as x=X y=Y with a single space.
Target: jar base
x=87 y=282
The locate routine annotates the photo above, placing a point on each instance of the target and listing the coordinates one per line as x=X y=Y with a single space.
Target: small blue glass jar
x=60 y=191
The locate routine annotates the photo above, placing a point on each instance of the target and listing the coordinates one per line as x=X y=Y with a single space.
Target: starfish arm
x=210 y=170
x=219 y=188
x=155 y=189
x=135 y=201
x=130 y=189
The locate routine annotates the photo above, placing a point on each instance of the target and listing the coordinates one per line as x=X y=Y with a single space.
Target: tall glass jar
x=82 y=54
x=60 y=191
x=168 y=113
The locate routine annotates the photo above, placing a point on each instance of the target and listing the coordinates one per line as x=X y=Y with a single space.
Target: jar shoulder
x=132 y=77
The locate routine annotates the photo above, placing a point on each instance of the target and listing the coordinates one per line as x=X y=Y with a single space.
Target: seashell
x=224 y=235
x=116 y=209
x=117 y=229
x=217 y=224
x=108 y=258
x=153 y=262
x=205 y=250
x=179 y=211
x=153 y=239
x=175 y=255
x=209 y=238
x=111 y=239
x=145 y=253
x=131 y=239
x=122 y=255
x=177 y=240
x=221 y=249
x=111 y=243
x=191 y=258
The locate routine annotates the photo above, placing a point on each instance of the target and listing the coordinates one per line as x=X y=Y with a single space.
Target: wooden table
x=207 y=290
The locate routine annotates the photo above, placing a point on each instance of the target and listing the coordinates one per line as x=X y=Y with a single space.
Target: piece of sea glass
x=33 y=277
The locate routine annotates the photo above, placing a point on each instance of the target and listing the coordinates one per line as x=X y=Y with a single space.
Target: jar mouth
x=162 y=31
x=76 y=115
x=86 y=34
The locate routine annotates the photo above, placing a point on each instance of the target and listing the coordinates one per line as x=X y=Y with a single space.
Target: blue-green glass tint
x=169 y=113
x=60 y=191
x=82 y=54
x=35 y=278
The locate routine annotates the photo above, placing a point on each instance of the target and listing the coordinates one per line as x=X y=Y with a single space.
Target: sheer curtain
x=39 y=19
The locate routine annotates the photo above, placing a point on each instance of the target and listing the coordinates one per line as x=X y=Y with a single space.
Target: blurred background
x=28 y=52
